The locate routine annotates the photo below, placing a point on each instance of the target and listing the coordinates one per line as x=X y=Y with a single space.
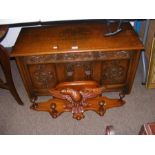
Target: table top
x=75 y=37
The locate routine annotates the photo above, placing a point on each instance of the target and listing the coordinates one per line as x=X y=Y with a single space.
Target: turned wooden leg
x=4 y=59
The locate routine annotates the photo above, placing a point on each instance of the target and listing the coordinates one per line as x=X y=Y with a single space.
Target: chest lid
x=79 y=37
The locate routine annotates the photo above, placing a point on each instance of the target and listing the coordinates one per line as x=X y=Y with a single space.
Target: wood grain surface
x=74 y=37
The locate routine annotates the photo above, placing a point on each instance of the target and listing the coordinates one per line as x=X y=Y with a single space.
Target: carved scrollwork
x=77 y=97
x=78 y=56
x=40 y=59
x=114 y=55
x=77 y=100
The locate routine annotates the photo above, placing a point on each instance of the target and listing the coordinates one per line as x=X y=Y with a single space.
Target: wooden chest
x=48 y=55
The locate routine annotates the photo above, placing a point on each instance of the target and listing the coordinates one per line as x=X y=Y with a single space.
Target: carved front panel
x=43 y=76
x=114 y=72
x=45 y=71
x=77 y=71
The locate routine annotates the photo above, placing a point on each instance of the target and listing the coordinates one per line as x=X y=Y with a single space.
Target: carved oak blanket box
x=52 y=59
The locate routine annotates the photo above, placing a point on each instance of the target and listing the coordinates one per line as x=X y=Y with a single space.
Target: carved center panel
x=78 y=71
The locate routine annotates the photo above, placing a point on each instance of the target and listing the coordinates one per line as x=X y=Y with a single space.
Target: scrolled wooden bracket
x=77 y=97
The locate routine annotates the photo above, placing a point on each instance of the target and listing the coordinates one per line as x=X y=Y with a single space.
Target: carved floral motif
x=113 y=72
x=78 y=56
x=43 y=76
